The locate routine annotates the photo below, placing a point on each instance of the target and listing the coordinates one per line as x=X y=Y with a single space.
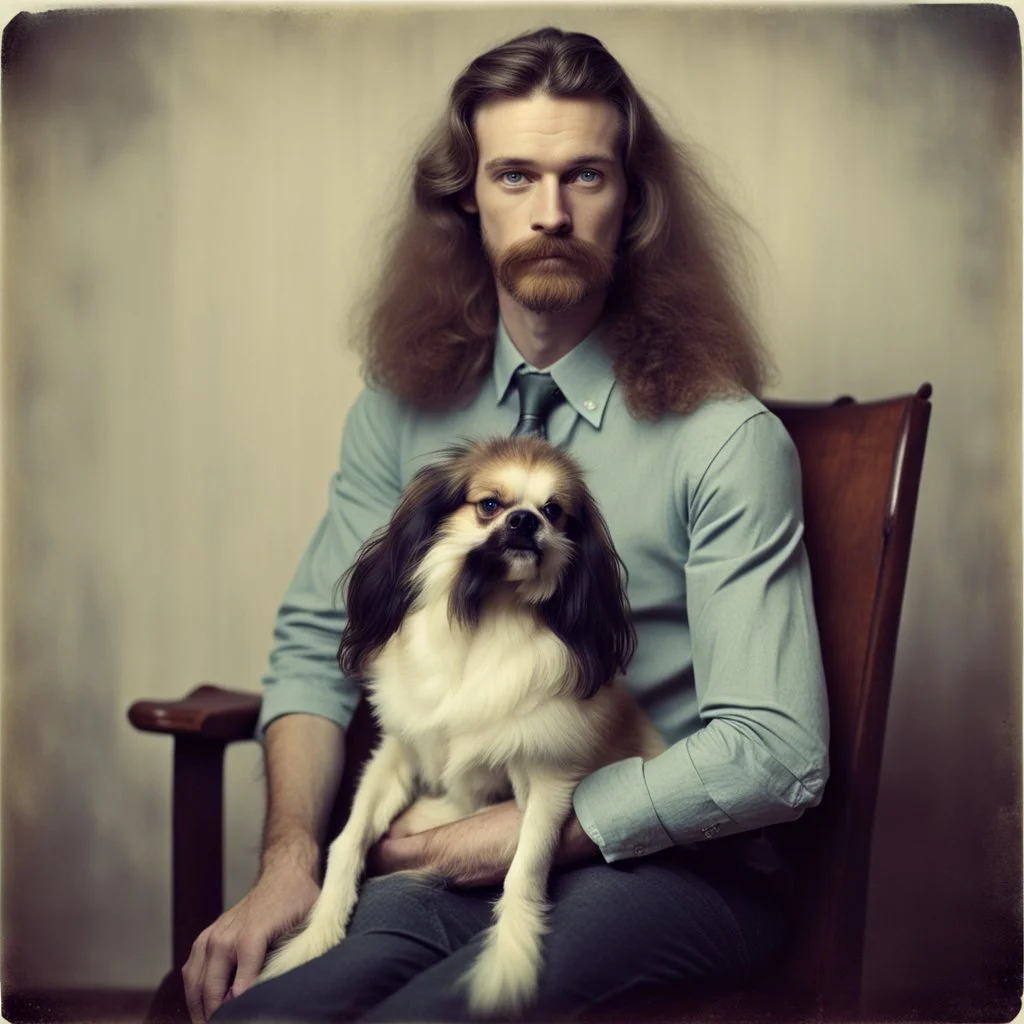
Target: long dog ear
x=590 y=612
x=379 y=586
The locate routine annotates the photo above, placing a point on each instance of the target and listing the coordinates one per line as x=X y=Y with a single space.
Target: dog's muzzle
x=521 y=528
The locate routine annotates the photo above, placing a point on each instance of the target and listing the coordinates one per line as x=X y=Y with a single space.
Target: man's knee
x=650 y=923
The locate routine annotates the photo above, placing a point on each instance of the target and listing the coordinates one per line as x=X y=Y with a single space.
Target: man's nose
x=550 y=212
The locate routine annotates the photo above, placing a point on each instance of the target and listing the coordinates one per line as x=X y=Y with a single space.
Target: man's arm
x=760 y=756
x=304 y=758
x=472 y=851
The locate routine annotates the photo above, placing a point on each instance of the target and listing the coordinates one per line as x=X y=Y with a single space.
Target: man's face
x=550 y=191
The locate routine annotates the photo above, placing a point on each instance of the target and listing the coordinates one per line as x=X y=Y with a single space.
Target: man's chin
x=550 y=296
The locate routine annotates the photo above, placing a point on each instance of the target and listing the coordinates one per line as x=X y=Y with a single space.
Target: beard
x=551 y=287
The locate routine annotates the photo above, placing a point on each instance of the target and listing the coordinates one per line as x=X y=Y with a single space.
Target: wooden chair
x=861 y=467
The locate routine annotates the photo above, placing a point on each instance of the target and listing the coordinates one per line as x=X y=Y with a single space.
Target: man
x=555 y=228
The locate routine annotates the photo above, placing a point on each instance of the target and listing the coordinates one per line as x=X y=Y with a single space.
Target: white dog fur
x=492 y=657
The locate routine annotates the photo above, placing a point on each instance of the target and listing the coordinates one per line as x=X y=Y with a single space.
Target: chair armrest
x=208 y=712
x=202 y=724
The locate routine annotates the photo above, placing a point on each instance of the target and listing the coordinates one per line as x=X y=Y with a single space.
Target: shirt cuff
x=675 y=787
x=336 y=701
x=615 y=810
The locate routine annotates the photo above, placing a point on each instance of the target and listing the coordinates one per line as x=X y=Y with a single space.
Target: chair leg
x=197 y=867
x=198 y=841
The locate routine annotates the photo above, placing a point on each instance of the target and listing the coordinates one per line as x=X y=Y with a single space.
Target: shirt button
x=639 y=850
x=589 y=405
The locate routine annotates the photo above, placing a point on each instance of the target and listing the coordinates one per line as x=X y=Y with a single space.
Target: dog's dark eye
x=552 y=511
x=488 y=507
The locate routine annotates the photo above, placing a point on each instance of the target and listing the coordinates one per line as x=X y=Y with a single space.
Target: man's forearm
x=473 y=851
x=304 y=759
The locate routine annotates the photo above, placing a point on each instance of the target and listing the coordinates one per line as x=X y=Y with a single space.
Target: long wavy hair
x=673 y=322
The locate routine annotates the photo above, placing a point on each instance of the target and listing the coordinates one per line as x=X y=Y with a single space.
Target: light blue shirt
x=705 y=511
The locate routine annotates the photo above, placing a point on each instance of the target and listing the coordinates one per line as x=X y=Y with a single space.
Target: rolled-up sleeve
x=760 y=754
x=303 y=675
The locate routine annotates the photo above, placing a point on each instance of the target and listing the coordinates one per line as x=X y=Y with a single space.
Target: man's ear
x=467 y=200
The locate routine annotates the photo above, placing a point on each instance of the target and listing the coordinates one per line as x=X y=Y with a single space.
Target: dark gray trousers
x=692 y=920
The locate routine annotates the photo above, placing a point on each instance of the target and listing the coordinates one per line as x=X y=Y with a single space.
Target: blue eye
x=488 y=507
x=507 y=177
x=589 y=177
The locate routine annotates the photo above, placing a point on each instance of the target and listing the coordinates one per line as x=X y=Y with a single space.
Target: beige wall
x=192 y=202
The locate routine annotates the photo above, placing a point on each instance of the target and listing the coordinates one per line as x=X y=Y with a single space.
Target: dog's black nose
x=522 y=522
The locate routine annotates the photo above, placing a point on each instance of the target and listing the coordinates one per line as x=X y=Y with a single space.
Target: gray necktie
x=538 y=395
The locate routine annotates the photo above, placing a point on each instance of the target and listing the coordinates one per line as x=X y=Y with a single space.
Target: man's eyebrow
x=515 y=161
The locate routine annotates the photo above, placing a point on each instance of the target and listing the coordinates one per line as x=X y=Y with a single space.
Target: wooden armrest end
x=209 y=712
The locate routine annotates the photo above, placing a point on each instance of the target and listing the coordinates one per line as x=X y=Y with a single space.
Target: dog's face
x=519 y=500
x=495 y=523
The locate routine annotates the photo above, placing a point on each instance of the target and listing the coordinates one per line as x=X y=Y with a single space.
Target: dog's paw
x=313 y=941
x=504 y=978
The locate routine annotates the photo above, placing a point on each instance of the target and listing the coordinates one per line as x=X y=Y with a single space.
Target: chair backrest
x=861 y=465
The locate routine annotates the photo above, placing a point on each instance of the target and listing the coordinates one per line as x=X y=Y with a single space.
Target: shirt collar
x=584 y=374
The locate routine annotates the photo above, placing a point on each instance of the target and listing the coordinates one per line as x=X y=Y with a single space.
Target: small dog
x=489 y=624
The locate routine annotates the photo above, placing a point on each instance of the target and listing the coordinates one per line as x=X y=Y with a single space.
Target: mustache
x=588 y=258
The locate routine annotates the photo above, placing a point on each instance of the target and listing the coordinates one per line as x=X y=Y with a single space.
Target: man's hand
x=473 y=851
x=236 y=943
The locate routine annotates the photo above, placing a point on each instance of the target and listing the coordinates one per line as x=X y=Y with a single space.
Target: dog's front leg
x=384 y=791
x=504 y=977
